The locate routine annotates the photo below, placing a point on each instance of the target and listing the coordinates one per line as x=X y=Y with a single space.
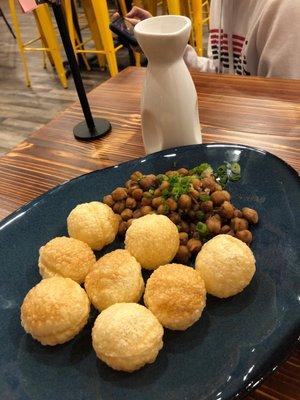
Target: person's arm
x=192 y=60
x=278 y=40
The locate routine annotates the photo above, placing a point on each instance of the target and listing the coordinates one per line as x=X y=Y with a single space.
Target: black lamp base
x=82 y=132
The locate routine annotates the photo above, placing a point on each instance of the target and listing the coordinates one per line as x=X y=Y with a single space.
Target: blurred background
x=35 y=80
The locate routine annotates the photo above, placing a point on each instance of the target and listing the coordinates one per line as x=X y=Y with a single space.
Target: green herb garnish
x=228 y=172
x=165 y=193
x=204 y=197
x=202 y=170
x=179 y=185
x=202 y=229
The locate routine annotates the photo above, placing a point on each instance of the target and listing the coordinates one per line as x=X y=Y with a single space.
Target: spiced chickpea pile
x=194 y=200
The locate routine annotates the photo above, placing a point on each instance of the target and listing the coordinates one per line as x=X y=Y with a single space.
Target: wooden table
x=258 y=112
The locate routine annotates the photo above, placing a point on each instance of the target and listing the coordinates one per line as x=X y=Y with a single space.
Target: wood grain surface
x=263 y=113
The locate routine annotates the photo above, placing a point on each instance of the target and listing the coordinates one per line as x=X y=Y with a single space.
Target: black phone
x=125 y=30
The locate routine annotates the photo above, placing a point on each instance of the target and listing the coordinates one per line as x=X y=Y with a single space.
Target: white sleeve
x=193 y=61
x=278 y=40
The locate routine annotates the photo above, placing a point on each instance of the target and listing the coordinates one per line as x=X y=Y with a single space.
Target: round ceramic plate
x=234 y=345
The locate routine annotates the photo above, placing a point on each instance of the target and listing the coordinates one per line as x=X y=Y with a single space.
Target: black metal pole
x=90 y=128
x=7 y=23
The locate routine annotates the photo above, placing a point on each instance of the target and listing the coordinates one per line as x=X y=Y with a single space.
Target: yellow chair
x=97 y=15
x=198 y=12
x=47 y=36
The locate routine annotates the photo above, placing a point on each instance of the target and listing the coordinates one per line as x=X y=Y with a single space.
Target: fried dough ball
x=226 y=265
x=115 y=278
x=176 y=295
x=66 y=257
x=93 y=223
x=153 y=240
x=126 y=336
x=55 y=310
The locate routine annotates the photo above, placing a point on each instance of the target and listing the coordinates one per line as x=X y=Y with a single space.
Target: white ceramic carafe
x=169 y=105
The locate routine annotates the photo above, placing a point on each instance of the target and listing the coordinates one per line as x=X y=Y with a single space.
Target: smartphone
x=125 y=30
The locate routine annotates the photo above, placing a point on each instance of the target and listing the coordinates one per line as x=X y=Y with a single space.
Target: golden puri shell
x=66 y=257
x=94 y=223
x=115 y=278
x=153 y=240
x=55 y=310
x=126 y=336
x=226 y=265
x=176 y=295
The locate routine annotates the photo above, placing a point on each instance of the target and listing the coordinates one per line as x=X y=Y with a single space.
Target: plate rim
x=289 y=347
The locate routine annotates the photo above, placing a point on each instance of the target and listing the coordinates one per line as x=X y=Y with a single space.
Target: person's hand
x=135 y=15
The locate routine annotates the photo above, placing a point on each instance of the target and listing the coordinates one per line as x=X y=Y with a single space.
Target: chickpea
x=130 y=221
x=194 y=245
x=194 y=193
x=136 y=176
x=225 y=229
x=207 y=206
x=183 y=171
x=183 y=237
x=200 y=216
x=213 y=224
x=219 y=196
x=146 y=201
x=164 y=185
x=137 y=214
x=183 y=254
x=209 y=183
x=171 y=173
x=108 y=200
x=184 y=227
x=157 y=201
x=147 y=181
x=195 y=207
x=250 y=215
x=231 y=233
x=122 y=228
x=163 y=209
x=157 y=192
x=129 y=183
x=184 y=202
x=130 y=203
x=239 y=224
x=191 y=214
x=226 y=210
x=132 y=188
x=146 y=210
x=175 y=218
x=171 y=204
x=244 y=236
x=126 y=214
x=197 y=184
x=119 y=206
x=119 y=194
x=137 y=194
x=218 y=187
x=238 y=213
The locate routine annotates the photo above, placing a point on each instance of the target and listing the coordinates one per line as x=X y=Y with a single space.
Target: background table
x=258 y=112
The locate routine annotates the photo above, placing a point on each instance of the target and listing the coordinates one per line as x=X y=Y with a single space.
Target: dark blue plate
x=237 y=341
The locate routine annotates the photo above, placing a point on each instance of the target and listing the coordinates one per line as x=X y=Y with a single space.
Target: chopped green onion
x=202 y=170
x=165 y=193
x=204 y=197
x=236 y=168
x=202 y=229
